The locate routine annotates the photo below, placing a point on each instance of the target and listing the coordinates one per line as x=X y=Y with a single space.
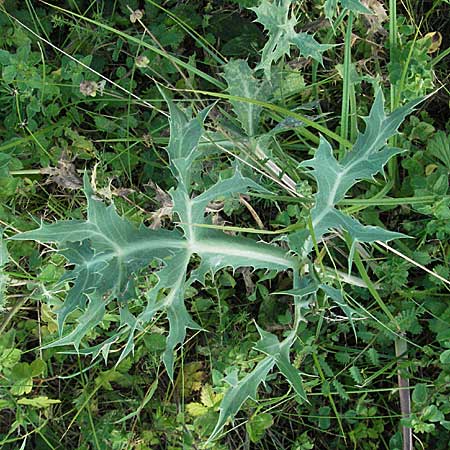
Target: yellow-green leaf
x=38 y=402
x=196 y=409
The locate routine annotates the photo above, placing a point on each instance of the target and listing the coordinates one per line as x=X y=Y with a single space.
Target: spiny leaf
x=280 y=25
x=329 y=8
x=334 y=178
x=338 y=298
x=107 y=252
x=354 y=6
x=279 y=352
x=185 y=134
x=240 y=391
x=3 y=250
x=179 y=321
x=242 y=83
x=219 y=251
x=91 y=317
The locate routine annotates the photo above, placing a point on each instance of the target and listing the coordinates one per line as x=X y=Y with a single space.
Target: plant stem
x=401 y=348
x=346 y=83
x=393 y=44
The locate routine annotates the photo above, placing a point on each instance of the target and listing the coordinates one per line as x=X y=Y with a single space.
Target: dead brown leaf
x=136 y=15
x=165 y=209
x=89 y=88
x=64 y=174
x=247 y=276
x=378 y=17
x=435 y=39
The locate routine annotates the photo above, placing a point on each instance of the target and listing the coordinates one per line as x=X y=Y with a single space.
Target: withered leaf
x=64 y=174
x=378 y=17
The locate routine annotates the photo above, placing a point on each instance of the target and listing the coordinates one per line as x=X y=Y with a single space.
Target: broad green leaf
x=280 y=24
x=22 y=374
x=37 y=367
x=445 y=357
x=9 y=357
x=431 y=413
x=6 y=404
x=420 y=394
x=22 y=385
x=257 y=425
x=334 y=178
x=324 y=421
x=241 y=82
x=439 y=146
x=196 y=409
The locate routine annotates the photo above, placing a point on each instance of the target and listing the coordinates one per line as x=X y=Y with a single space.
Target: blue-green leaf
x=185 y=134
x=240 y=391
x=242 y=83
x=91 y=317
x=355 y=6
x=338 y=298
x=280 y=24
x=107 y=253
x=279 y=352
x=334 y=178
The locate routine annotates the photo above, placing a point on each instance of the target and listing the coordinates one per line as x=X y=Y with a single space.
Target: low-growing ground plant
x=149 y=312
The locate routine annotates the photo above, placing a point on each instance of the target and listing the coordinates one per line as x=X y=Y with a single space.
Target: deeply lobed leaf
x=107 y=252
x=277 y=21
x=277 y=354
x=355 y=6
x=334 y=178
x=242 y=83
